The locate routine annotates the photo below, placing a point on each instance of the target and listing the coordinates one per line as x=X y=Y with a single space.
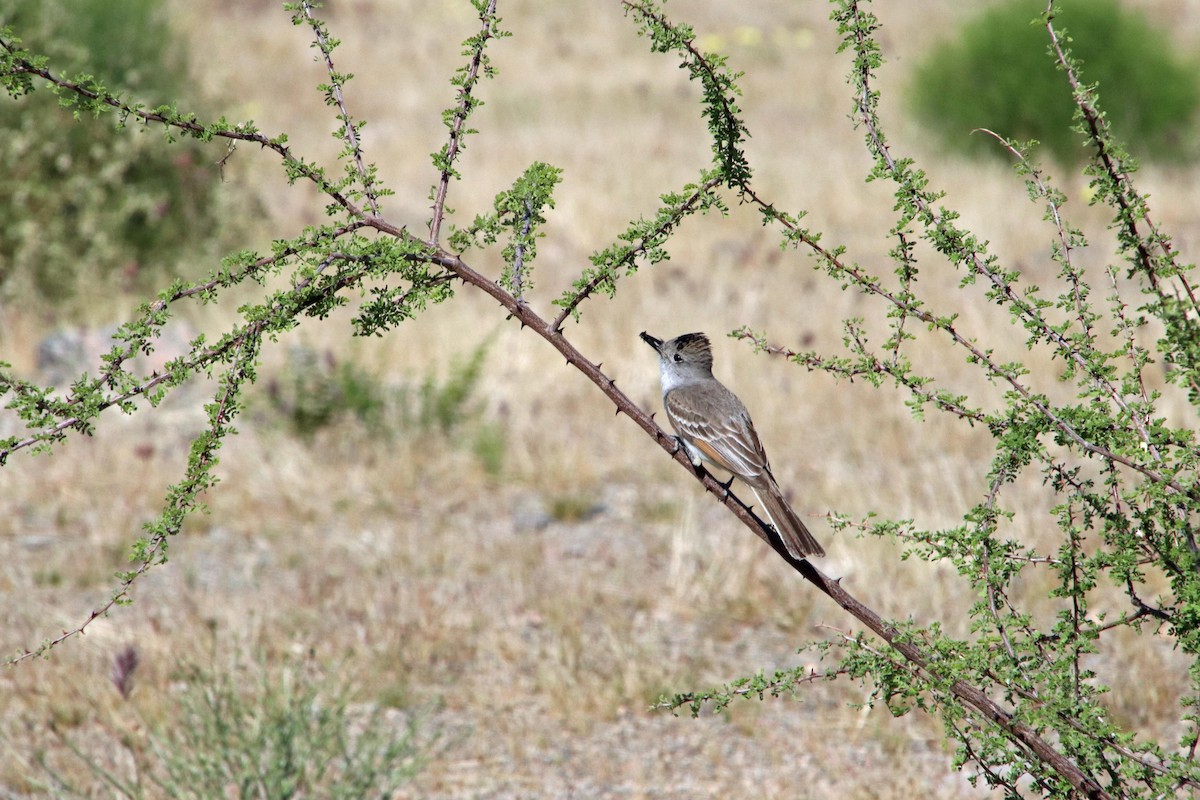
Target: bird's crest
x=694 y=344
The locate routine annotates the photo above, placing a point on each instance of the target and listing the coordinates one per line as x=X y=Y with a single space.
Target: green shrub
x=997 y=75
x=90 y=207
x=491 y=446
x=127 y=44
x=447 y=404
x=257 y=730
x=281 y=736
x=316 y=390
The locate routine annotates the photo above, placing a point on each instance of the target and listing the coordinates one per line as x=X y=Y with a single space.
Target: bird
x=715 y=428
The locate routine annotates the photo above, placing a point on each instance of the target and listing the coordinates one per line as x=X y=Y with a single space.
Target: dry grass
x=539 y=613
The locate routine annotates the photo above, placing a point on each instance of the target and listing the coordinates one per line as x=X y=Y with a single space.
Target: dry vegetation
x=533 y=615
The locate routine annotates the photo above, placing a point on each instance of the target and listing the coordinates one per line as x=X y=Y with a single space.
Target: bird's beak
x=652 y=341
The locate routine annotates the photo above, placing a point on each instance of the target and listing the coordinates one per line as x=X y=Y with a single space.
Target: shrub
x=257 y=731
x=444 y=405
x=316 y=390
x=281 y=736
x=88 y=206
x=996 y=75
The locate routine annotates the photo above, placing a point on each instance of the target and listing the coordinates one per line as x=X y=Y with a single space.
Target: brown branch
x=1098 y=132
x=465 y=103
x=872 y=286
x=350 y=132
x=199 y=359
x=631 y=255
x=1105 y=741
x=221 y=415
x=976 y=698
x=923 y=672
x=1016 y=730
x=192 y=128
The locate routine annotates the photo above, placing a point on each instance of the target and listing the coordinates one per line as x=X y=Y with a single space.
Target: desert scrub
x=90 y=208
x=996 y=74
x=263 y=729
x=316 y=390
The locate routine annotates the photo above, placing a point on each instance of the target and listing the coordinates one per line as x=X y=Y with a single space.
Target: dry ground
x=535 y=614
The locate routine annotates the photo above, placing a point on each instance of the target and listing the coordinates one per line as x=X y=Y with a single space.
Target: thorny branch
x=1020 y=734
x=194 y=360
x=350 y=131
x=634 y=252
x=914 y=654
x=1077 y=353
x=465 y=103
x=518 y=267
x=1126 y=199
x=872 y=286
x=221 y=416
x=193 y=128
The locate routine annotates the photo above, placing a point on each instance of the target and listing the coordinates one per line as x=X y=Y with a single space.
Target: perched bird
x=714 y=426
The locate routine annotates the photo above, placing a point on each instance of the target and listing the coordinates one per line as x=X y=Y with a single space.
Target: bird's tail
x=796 y=538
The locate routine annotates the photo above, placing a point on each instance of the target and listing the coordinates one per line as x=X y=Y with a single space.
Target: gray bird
x=715 y=427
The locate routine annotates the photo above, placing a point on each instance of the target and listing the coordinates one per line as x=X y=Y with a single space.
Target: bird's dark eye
x=677 y=357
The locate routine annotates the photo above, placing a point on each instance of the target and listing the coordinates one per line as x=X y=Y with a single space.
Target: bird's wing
x=714 y=421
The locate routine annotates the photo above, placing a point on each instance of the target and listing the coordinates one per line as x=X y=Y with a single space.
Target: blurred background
x=443 y=534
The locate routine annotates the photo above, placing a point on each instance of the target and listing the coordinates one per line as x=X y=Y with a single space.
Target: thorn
x=618 y=413
x=725 y=486
x=599 y=366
